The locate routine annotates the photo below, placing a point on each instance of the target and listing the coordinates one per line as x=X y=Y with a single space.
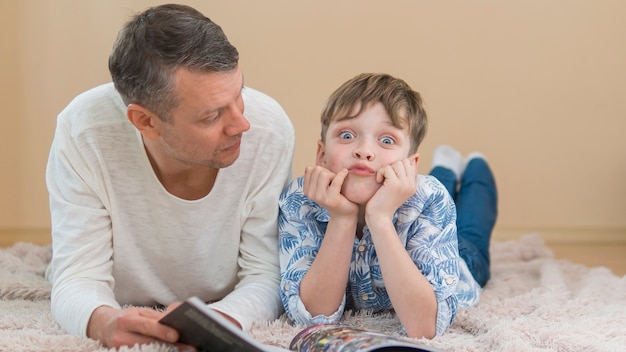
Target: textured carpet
x=532 y=303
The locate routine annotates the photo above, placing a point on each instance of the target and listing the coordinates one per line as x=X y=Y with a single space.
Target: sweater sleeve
x=256 y=297
x=81 y=267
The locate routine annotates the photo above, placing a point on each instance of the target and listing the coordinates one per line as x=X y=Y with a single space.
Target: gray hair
x=155 y=43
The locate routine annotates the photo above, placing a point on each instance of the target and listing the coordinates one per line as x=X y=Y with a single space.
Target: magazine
x=343 y=338
x=207 y=330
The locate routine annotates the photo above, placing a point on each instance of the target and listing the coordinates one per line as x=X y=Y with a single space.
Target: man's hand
x=116 y=327
x=324 y=188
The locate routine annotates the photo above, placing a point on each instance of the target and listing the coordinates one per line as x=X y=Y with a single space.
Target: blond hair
x=403 y=104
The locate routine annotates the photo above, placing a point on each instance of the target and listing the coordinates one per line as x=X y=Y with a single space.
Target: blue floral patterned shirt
x=426 y=224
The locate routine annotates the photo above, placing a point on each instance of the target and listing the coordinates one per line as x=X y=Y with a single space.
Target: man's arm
x=82 y=298
x=256 y=297
x=81 y=264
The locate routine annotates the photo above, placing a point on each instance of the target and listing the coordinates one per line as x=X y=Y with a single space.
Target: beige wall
x=10 y=160
x=535 y=85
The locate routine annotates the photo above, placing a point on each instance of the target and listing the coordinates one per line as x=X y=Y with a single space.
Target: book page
x=341 y=338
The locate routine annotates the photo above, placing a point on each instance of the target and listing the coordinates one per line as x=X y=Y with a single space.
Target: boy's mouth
x=361 y=171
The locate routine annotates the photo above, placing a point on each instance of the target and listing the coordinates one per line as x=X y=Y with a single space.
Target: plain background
x=537 y=86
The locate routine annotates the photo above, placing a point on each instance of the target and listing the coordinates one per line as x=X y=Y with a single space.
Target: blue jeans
x=476 y=200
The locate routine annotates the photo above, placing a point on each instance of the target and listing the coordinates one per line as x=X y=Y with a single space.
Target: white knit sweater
x=120 y=238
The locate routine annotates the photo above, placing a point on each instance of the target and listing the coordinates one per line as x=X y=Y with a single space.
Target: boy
x=361 y=230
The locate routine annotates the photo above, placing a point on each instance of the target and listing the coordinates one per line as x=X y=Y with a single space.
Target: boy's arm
x=431 y=243
x=303 y=227
x=320 y=292
x=323 y=287
x=410 y=292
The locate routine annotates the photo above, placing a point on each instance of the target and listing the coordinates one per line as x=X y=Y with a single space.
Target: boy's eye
x=387 y=140
x=346 y=135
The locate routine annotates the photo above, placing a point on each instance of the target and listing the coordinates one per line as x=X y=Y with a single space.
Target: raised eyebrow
x=342 y=129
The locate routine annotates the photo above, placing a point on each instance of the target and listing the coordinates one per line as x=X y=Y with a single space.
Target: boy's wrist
x=344 y=220
x=345 y=213
x=378 y=221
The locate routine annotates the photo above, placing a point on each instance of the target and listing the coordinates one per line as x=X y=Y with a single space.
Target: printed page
x=341 y=338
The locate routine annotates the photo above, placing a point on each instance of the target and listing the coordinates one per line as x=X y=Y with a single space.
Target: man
x=162 y=188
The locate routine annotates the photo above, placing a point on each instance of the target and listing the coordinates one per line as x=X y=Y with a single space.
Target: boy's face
x=362 y=145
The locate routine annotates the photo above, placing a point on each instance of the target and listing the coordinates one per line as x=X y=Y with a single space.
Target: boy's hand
x=324 y=188
x=398 y=185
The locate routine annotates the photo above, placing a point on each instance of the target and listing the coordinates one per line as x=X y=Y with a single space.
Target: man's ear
x=320 y=160
x=144 y=120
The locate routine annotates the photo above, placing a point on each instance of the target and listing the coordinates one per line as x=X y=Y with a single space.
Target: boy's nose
x=363 y=153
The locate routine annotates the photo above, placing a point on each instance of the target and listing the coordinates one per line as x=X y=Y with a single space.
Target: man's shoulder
x=94 y=106
x=96 y=97
x=263 y=111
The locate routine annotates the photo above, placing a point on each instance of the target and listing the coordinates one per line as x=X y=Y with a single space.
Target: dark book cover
x=208 y=330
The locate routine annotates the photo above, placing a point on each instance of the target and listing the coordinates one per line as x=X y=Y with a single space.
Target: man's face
x=206 y=128
x=362 y=145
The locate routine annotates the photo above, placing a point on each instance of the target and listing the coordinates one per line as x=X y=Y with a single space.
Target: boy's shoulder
x=293 y=188
x=429 y=183
x=429 y=190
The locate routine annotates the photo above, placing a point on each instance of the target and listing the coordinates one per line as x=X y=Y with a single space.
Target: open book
x=207 y=330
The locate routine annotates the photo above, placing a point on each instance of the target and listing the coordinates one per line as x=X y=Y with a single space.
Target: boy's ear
x=415 y=158
x=144 y=120
x=320 y=160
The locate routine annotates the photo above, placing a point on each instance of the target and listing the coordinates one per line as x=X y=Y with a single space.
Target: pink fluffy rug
x=532 y=303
